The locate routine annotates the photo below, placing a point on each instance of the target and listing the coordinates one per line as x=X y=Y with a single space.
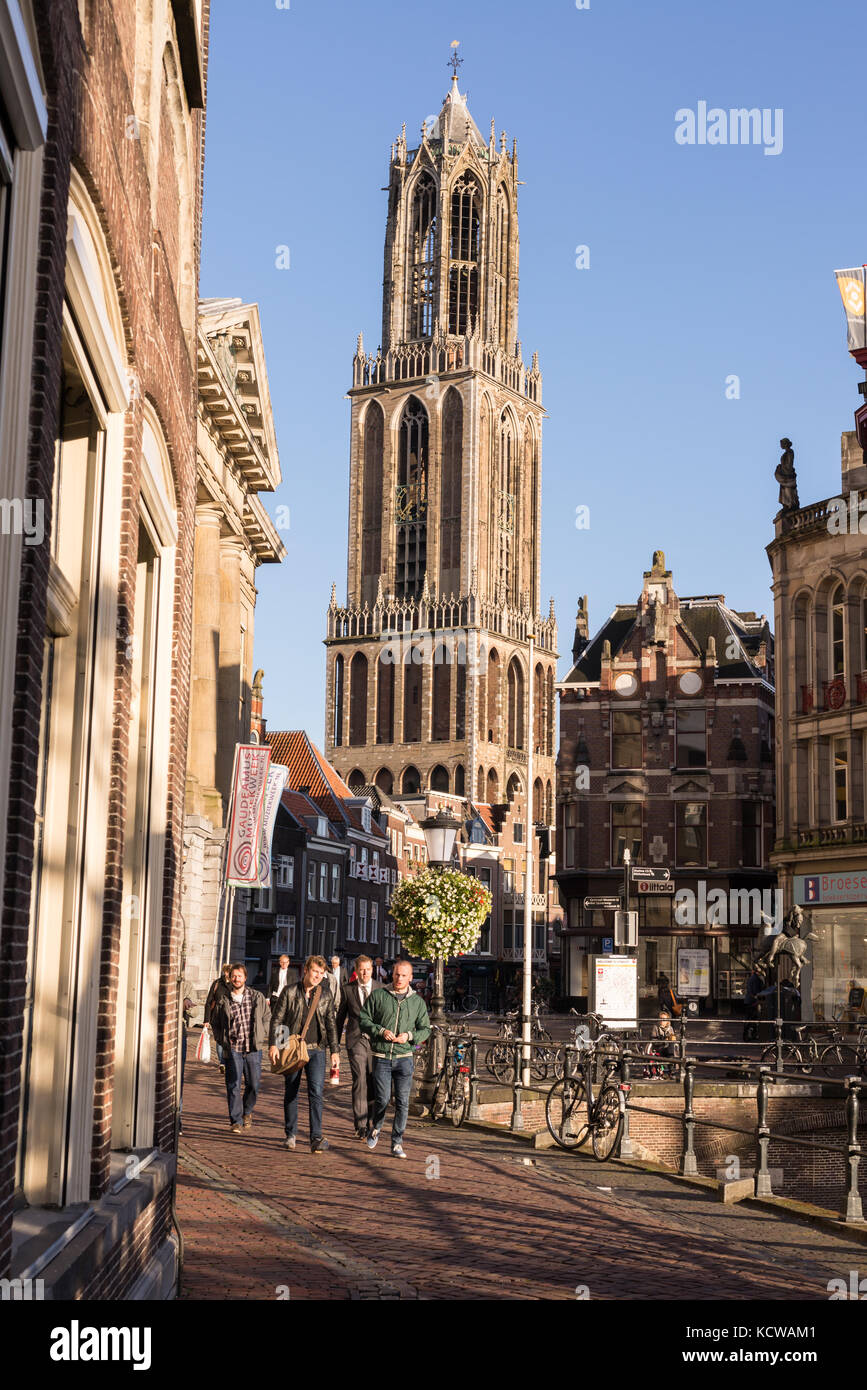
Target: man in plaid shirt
x=240 y=1023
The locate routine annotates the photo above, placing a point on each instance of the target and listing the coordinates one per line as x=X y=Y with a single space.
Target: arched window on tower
x=493 y=786
x=450 y=493
x=412 y=698
x=549 y=704
x=530 y=518
x=480 y=784
x=500 y=263
x=338 y=702
x=539 y=712
x=371 y=506
x=549 y=803
x=385 y=698
x=461 y=693
x=384 y=781
x=514 y=787
x=411 y=500
x=439 y=779
x=460 y=785
x=410 y=782
x=504 y=514
x=442 y=696
x=538 y=801
x=493 y=724
x=358 y=699
x=465 y=242
x=421 y=253
x=516 y=704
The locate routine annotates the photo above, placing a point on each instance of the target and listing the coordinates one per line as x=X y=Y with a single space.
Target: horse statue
x=789 y=942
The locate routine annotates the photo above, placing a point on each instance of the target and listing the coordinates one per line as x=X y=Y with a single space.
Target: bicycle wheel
x=567 y=1125
x=607 y=1123
x=440 y=1100
x=789 y=1055
x=499 y=1062
x=470 y=1004
x=459 y=1097
x=541 y=1059
x=838 y=1059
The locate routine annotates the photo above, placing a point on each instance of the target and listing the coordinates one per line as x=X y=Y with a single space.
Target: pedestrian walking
x=221 y=983
x=282 y=974
x=239 y=1022
x=306 y=1005
x=379 y=973
x=355 y=995
x=396 y=1021
x=337 y=978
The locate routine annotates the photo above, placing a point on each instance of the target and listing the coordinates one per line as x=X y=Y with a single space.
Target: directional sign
x=639 y=873
x=648 y=886
x=607 y=904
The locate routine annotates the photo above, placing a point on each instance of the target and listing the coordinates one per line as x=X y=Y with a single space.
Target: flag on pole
x=851 y=284
x=250 y=780
x=278 y=776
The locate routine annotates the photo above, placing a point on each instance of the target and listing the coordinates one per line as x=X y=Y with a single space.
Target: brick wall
x=89 y=102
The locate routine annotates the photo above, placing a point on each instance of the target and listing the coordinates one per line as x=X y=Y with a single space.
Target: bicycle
x=499 y=1059
x=804 y=1054
x=602 y=1119
x=605 y=1046
x=452 y=1089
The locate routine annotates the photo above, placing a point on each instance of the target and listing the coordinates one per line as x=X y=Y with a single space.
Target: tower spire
x=455 y=62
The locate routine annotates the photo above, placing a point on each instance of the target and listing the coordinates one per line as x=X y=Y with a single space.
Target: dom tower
x=428 y=662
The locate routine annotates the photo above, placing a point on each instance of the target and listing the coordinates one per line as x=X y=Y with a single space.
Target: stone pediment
x=626 y=786
x=688 y=786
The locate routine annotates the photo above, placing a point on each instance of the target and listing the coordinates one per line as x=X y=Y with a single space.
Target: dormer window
x=322 y=826
x=365 y=818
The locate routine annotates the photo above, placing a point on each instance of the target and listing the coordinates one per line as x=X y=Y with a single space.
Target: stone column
x=230 y=674
x=202 y=795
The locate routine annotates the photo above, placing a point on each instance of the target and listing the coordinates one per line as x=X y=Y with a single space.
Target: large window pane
x=691 y=833
x=691 y=738
x=626 y=738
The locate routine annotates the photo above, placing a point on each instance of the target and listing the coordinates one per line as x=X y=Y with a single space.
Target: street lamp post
x=527 y=993
x=440 y=832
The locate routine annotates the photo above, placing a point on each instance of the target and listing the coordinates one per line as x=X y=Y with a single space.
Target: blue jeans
x=386 y=1070
x=246 y=1067
x=315 y=1070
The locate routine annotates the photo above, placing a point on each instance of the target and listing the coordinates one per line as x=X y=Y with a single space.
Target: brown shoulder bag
x=295 y=1053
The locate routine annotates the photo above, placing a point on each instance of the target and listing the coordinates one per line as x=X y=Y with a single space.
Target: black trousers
x=361 y=1066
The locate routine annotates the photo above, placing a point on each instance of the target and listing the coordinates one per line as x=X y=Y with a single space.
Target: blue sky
x=705 y=262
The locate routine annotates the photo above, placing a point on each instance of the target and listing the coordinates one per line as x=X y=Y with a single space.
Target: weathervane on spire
x=455 y=62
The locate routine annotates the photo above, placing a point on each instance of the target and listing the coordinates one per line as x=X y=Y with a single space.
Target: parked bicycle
x=590 y=1034
x=451 y=1097
x=836 y=1058
x=573 y=1113
x=500 y=1057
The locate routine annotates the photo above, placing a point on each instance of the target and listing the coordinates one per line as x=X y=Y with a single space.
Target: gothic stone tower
x=427 y=682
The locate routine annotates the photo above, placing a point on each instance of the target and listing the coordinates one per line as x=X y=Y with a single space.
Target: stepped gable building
x=369 y=870
x=819 y=561
x=666 y=739
x=236 y=459
x=101 y=161
x=428 y=659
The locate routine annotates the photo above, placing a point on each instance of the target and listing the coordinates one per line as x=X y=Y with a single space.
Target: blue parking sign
x=608 y=945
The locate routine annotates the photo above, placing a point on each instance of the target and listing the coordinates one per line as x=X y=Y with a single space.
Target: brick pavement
x=467 y=1216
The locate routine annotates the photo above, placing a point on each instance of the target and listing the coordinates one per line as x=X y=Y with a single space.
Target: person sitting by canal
x=663 y=1035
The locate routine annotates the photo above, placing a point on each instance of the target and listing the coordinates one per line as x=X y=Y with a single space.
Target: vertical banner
x=851 y=284
x=278 y=776
x=252 y=761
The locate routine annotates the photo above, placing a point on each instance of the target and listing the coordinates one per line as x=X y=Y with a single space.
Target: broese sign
x=815 y=889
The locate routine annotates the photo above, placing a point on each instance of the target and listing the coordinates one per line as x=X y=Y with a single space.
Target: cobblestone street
x=470 y=1215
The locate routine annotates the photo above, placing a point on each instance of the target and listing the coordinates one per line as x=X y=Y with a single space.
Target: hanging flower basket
x=440 y=913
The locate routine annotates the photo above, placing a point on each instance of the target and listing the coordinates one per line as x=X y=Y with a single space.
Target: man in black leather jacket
x=287 y=1018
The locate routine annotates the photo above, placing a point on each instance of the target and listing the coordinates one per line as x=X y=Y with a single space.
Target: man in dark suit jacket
x=353 y=996
x=282 y=974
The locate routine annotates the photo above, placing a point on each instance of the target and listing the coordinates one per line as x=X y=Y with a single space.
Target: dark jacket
x=384 y=1010
x=350 y=1012
x=217 y=986
x=259 y=1020
x=274 y=981
x=290 y=1012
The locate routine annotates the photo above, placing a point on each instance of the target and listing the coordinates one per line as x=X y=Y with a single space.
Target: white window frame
x=362 y=919
x=350 y=919
x=335 y=883
x=374 y=924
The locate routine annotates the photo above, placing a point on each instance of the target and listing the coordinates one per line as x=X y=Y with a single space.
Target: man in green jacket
x=396 y=1021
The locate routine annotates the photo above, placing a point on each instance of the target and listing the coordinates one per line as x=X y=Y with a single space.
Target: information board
x=693 y=973
x=614 y=993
